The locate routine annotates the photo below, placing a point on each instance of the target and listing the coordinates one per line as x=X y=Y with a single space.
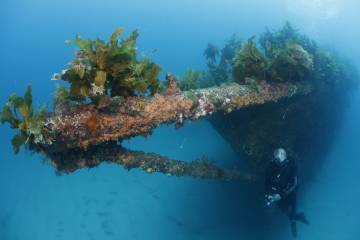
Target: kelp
x=271 y=41
x=232 y=46
x=286 y=55
x=219 y=61
x=63 y=100
x=249 y=62
x=328 y=69
x=110 y=68
x=291 y=63
x=20 y=114
x=190 y=80
x=253 y=83
x=211 y=52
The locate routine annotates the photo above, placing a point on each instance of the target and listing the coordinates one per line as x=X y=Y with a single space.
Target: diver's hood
x=280 y=156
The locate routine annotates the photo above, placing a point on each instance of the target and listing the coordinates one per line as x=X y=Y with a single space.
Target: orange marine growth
x=92 y=123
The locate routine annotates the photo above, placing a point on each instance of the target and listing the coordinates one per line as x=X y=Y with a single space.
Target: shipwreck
x=280 y=90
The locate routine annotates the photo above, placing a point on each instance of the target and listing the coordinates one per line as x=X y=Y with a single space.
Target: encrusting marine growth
x=114 y=95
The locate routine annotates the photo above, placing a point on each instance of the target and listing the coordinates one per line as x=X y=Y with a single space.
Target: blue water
x=109 y=202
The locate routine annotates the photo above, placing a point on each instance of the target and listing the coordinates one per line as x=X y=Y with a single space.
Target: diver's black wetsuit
x=282 y=180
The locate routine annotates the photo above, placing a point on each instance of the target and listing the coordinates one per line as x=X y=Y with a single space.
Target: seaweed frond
x=249 y=62
x=20 y=114
x=190 y=80
x=211 y=52
x=110 y=68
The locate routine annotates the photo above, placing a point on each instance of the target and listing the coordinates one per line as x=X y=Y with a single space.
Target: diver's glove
x=269 y=199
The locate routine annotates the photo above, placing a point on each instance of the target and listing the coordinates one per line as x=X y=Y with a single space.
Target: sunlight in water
x=315 y=9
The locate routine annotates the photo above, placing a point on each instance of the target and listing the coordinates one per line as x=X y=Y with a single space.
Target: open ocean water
x=109 y=202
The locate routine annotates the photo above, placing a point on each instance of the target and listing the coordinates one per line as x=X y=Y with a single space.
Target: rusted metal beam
x=120 y=118
x=111 y=152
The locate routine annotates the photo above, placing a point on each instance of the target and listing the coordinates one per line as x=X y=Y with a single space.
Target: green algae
x=249 y=62
x=286 y=55
x=211 y=53
x=19 y=114
x=219 y=61
x=190 y=80
x=110 y=68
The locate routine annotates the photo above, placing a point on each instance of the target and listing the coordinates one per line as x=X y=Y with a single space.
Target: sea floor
x=109 y=202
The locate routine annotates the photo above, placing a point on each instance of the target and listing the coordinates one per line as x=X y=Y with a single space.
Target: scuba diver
x=281 y=185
